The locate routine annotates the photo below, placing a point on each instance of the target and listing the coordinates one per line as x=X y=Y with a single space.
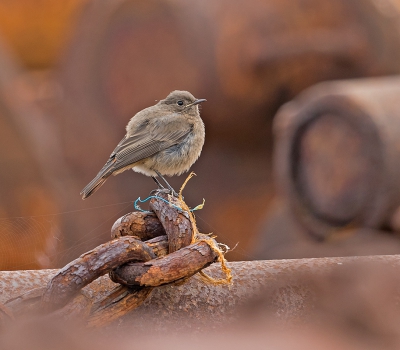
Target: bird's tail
x=98 y=181
x=93 y=186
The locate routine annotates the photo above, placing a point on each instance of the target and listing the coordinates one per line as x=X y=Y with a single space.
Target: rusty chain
x=148 y=249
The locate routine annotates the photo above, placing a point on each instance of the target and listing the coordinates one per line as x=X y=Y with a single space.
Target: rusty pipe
x=293 y=287
x=336 y=154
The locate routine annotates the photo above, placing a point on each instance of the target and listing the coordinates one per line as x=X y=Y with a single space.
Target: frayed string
x=212 y=243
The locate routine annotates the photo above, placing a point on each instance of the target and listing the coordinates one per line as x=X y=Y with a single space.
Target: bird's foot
x=164 y=190
x=172 y=191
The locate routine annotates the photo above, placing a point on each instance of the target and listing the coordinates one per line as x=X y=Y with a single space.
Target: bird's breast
x=180 y=157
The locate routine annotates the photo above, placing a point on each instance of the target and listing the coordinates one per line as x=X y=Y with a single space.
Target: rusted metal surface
x=175 y=266
x=18 y=282
x=144 y=225
x=116 y=304
x=292 y=287
x=176 y=222
x=337 y=146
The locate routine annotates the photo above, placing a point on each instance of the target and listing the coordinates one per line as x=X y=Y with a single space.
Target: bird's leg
x=168 y=185
x=160 y=188
x=157 y=182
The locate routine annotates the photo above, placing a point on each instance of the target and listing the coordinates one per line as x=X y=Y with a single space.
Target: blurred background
x=302 y=121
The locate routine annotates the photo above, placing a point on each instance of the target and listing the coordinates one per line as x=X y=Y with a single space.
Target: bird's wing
x=158 y=136
x=146 y=140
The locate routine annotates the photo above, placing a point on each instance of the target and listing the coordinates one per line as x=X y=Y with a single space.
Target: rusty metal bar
x=292 y=287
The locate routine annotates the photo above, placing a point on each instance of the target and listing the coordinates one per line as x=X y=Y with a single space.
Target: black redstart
x=164 y=139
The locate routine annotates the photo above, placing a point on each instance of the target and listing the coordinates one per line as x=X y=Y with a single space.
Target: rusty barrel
x=337 y=154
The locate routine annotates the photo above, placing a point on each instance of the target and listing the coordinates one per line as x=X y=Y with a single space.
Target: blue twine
x=147 y=199
x=155 y=197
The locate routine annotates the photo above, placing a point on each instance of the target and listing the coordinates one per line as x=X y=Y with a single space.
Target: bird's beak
x=200 y=100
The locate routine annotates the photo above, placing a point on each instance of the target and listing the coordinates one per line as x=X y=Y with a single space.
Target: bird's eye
x=180 y=103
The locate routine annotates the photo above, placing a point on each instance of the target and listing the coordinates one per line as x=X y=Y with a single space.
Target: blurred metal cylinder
x=337 y=154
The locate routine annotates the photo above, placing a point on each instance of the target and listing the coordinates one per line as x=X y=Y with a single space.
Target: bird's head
x=181 y=101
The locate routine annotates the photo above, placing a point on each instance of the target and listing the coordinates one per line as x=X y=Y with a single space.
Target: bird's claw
x=164 y=190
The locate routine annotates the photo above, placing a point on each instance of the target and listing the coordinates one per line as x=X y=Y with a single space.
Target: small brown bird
x=164 y=139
